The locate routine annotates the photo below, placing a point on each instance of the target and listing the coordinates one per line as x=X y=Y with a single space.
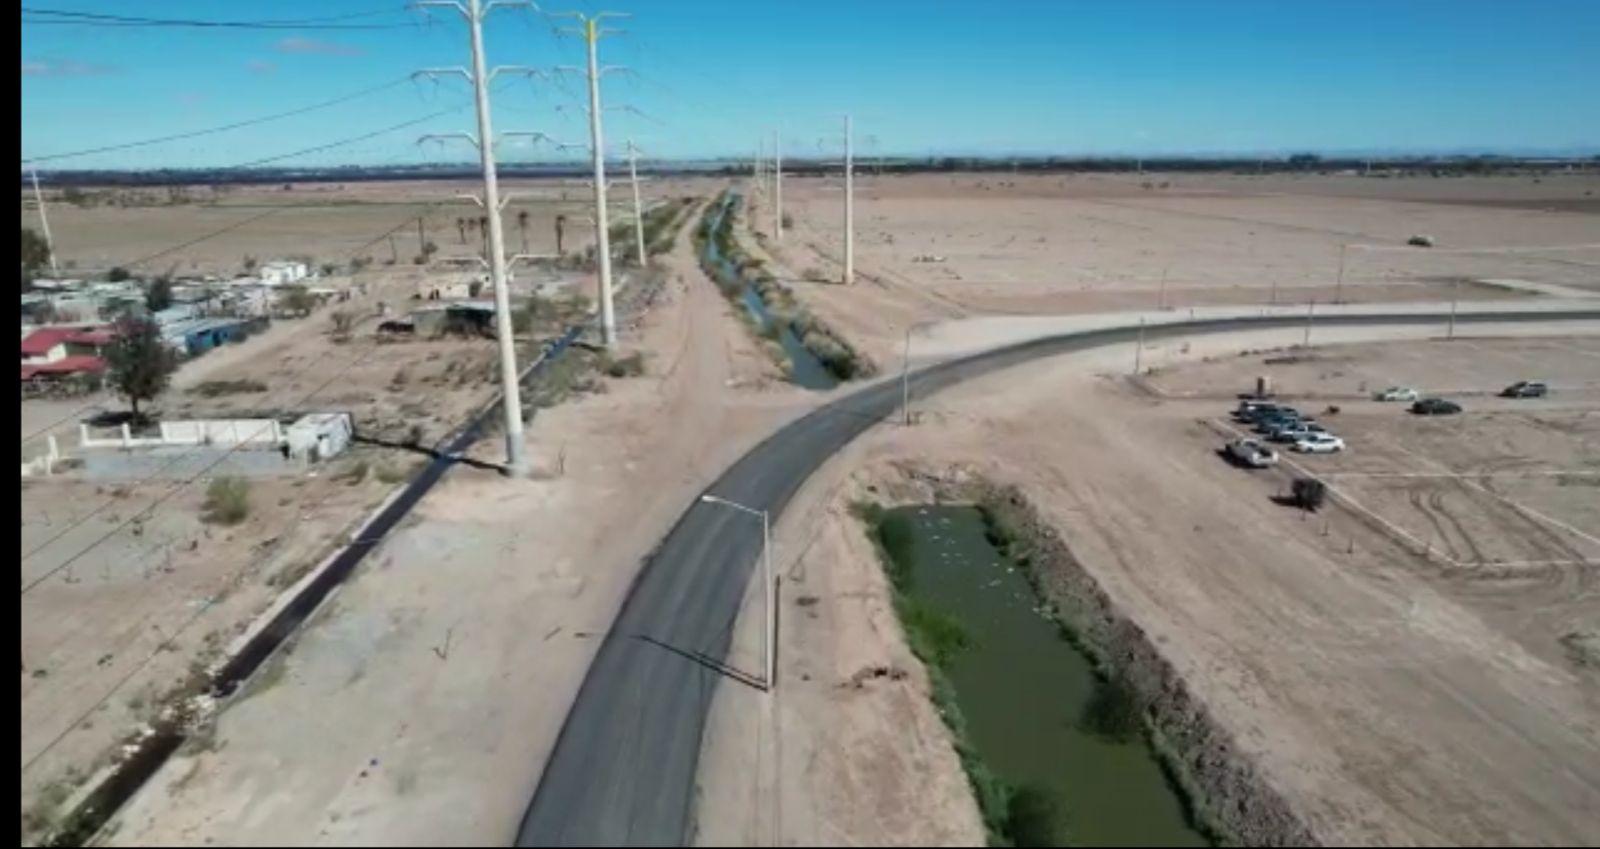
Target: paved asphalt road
x=623 y=769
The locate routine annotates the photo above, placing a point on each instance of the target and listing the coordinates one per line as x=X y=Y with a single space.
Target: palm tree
x=461 y=229
x=522 y=224
x=561 y=229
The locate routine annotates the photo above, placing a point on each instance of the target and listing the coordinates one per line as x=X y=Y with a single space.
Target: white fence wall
x=263 y=433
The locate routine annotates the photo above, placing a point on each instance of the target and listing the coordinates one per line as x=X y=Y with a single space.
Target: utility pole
x=638 y=208
x=1311 y=311
x=1161 y=296
x=849 y=209
x=511 y=396
x=1455 y=296
x=591 y=32
x=44 y=223
x=1138 y=348
x=777 y=187
x=1338 y=289
x=422 y=239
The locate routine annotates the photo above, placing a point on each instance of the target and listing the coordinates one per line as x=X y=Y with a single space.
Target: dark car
x=1435 y=407
x=1249 y=411
x=1526 y=389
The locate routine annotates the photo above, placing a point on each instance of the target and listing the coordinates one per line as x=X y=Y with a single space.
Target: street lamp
x=905 y=373
x=766 y=578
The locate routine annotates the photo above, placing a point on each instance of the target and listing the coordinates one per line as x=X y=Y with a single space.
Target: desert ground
x=420 y=702
x=1414 y=684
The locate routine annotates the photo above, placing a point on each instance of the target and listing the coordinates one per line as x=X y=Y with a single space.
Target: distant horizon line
x=1278 y=155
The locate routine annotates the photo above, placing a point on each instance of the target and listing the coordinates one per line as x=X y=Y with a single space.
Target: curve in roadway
x=622 y=771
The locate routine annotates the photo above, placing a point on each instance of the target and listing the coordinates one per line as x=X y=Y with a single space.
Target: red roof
x=40 y=341
x=67 y=365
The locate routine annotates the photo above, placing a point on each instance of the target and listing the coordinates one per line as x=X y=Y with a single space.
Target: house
x=53 y=353
x=450 y=287
x=196 y=336
x=55 y=344
x=283 y=272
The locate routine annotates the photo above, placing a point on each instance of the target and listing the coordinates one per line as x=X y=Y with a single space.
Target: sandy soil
x=330 y=222
x=419 y=705
x=1006 y=244
x=1391 y=698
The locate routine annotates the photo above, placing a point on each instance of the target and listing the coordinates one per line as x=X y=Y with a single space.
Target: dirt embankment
x=1226 y=792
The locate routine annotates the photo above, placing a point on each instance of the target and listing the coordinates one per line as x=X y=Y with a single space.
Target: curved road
x=623 y=768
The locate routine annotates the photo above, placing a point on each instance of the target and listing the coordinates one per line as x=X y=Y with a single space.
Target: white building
x=283 y=272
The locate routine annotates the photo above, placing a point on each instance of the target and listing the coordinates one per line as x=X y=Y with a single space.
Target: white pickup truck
x=1252 y=453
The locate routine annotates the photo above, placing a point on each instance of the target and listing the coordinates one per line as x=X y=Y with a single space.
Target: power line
x=352 y=140
x=220 y=129
x=426 y=208
x=63 y=16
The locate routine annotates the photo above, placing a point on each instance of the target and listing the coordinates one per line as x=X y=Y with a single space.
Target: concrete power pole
x=777 y=187
x=511 y=396
x=592 y=33
x=638 y=208
x=849 y=209
x=44 y=224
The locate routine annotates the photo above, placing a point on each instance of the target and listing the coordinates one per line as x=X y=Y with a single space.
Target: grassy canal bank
x=1052 y=746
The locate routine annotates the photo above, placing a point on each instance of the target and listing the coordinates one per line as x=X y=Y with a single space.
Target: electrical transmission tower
x=474 y=12
x=591 y=32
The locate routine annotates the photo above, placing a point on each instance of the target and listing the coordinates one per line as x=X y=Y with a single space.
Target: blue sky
x=712 y=76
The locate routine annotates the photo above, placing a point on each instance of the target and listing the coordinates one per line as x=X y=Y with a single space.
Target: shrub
x=227 y=501
x=1033 y=818
x=1309 y=494
x=1112 y=711
x=630 y=366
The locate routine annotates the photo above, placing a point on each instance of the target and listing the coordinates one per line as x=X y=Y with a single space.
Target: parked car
x=1319 y=443
x=1295 y=432
x=1526 y=389
x=1435 y=407
x=1249 y=411
x=1280 y=420
x=1252 y=453
x=1397 y=393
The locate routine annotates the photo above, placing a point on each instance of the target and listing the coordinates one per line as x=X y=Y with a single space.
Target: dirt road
x=1391 y=702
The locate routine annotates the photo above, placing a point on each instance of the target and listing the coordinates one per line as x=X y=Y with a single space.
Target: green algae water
x=1023 y=689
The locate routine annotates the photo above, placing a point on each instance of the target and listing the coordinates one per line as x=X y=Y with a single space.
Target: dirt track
x=1390 y=700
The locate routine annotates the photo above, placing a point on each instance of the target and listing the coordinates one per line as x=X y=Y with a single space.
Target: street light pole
x=1455 y=296
x=1338 y=289
x=1138 y=348
x=770 y=589
x=1311 y=311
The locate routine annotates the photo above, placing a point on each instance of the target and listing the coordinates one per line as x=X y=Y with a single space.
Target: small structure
x=467 y=317
x=283 y=272
x=319 y=436
x=198 y=335
x=55 y=344
x=449 y=287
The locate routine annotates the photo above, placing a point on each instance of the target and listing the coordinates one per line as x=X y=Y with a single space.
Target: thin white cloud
x=261 y=66
x=65 y=68
x=295 y=44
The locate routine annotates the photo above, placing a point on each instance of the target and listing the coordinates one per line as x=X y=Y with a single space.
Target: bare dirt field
x=127 y=590
x=940 y=246
x=419 y=704
x=1391 y=694
x=213 y=232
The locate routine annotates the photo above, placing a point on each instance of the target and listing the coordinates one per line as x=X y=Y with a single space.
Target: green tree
x=158 y=295
x=139 y=362
x=35 y=253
